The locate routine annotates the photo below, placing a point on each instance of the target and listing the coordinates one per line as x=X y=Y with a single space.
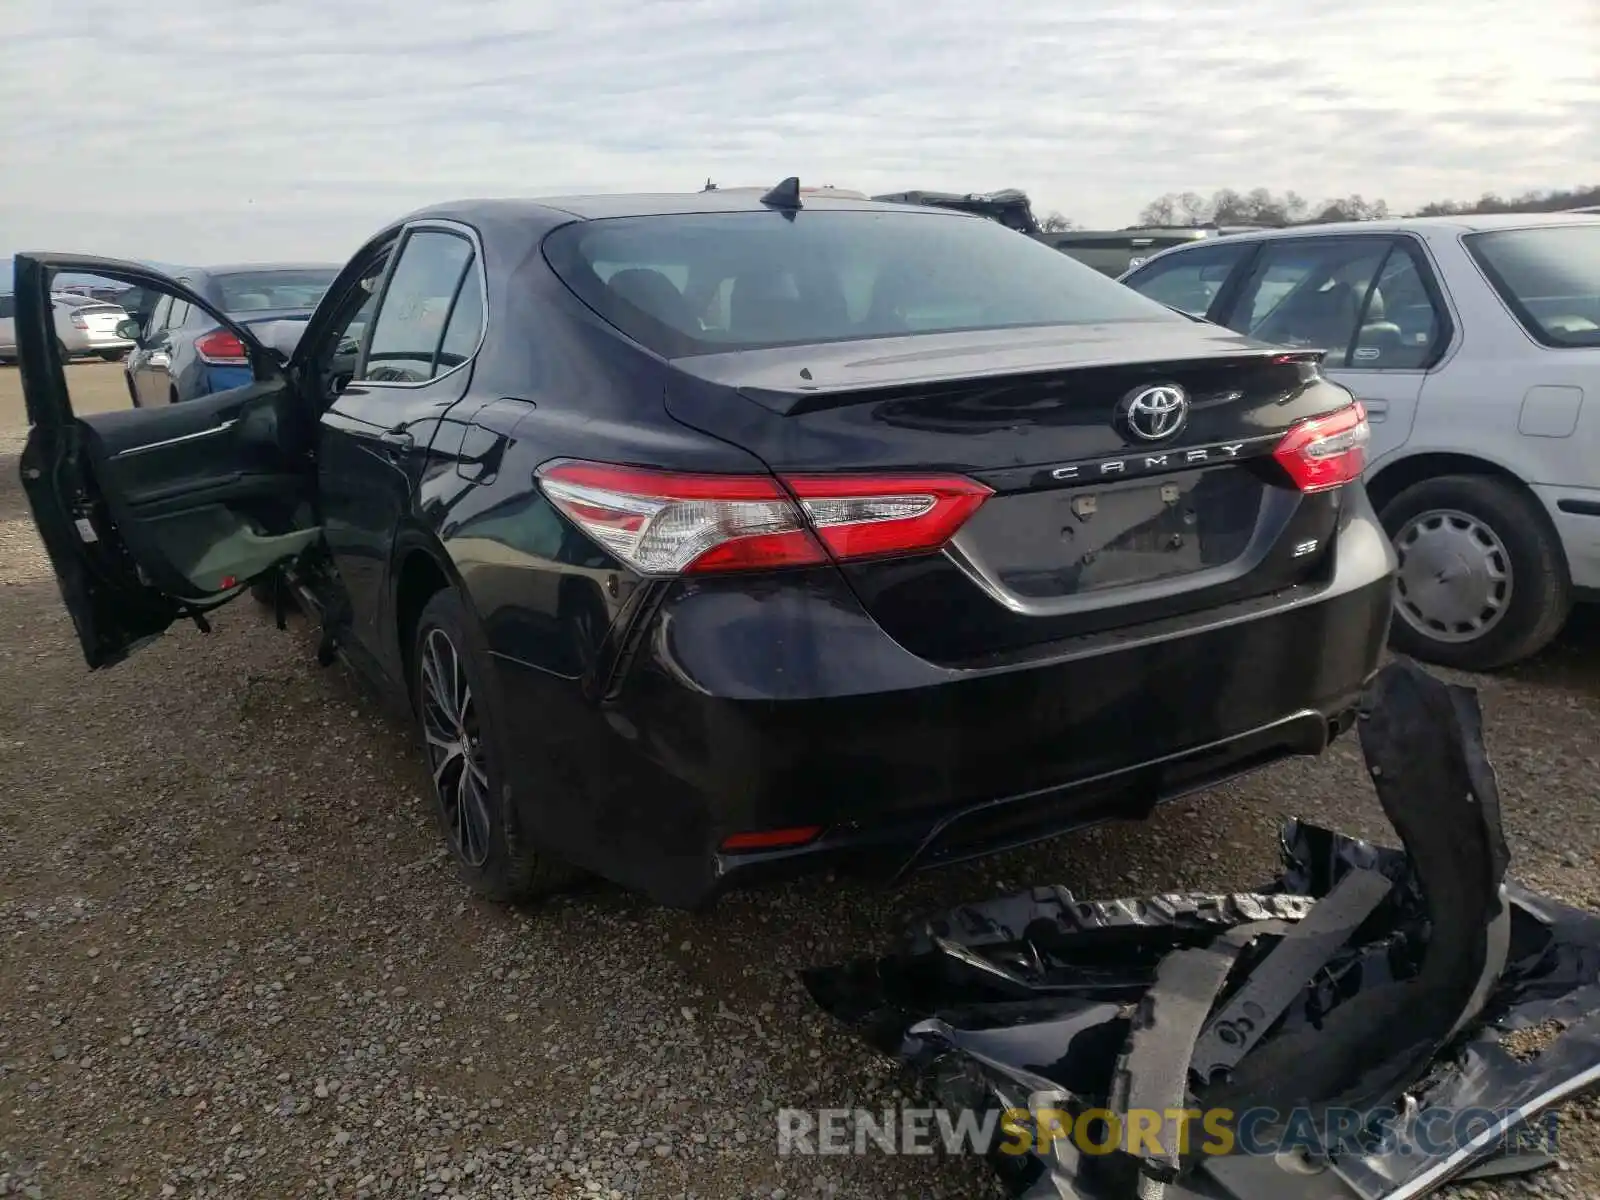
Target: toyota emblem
x=1155 y=413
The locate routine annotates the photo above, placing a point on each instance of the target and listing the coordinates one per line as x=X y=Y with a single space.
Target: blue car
x=181 y=353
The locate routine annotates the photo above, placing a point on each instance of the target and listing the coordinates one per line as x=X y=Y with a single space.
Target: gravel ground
x=236 y=963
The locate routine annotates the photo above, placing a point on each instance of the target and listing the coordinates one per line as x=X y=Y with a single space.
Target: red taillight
x=865 y=517
x=1326 y=452
x=221 y=348
x=662 y=522
x=77 y=320
x=772 y=839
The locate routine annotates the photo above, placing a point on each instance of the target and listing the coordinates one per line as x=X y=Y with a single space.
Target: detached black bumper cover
x=1365 y=991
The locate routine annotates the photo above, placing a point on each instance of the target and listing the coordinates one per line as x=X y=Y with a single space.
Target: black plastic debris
x=1353 y=1010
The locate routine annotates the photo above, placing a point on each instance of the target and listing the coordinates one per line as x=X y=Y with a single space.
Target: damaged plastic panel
x=1341 y=1009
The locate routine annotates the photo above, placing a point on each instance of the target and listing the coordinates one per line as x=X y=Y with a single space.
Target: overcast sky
x=289 y=128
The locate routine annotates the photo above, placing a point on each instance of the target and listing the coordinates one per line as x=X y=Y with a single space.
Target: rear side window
x=415 y=307
x=708 y=282
x=1403 y=327
x=466 y=323
x=1550 y=278
x=8 y=308
x=1309 y=293
x=1189 y=282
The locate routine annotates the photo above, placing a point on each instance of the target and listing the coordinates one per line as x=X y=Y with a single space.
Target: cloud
x=296 y=128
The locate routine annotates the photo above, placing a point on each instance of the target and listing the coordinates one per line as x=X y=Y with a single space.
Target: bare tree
x=1351 y=208
x=1260 y=206
x=1056 y=223
x=1162 y=211
x=1541 y=201
x=1225 y=207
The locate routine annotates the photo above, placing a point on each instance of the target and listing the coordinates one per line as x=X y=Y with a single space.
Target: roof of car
x=1466 y=222
x=243 y=268
x=1463 y=223
x=646 y=204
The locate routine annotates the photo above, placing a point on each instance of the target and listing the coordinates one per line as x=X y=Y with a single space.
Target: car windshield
x=709 y=282
x=261 y=291
x=1550 y=278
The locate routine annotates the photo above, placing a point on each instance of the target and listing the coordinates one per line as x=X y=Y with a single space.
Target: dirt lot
x=235 y=962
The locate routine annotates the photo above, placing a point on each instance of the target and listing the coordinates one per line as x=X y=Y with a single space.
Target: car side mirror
x=130 y=329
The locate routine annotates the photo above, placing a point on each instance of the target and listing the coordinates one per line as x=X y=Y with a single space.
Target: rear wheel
x=1483 y=580
x=62 y=352
x=113 y=355
x=467 y=760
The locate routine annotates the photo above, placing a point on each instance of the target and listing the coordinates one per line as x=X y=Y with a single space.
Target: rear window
x=704 y=283
x=1550 y=278
x=261 y=291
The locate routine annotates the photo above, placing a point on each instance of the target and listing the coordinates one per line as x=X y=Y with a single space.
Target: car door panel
x=1404 y=333
x=157 y=513
x=1323 y=291
x=377 y=434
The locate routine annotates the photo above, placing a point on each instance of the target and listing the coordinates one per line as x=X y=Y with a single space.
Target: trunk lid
x=1101 y=516
x=101 y=318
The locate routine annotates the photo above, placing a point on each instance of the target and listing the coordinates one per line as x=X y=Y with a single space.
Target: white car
x=1474 y=342
x=84 y=326
x=87 y=326
x=8 y=328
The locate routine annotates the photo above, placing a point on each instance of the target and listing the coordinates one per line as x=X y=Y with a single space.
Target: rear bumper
x=732 y=711
x=894 y=848
x=89 y=341
x=211 y=378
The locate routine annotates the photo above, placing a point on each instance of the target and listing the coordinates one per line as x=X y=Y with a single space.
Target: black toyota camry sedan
x=710 y=537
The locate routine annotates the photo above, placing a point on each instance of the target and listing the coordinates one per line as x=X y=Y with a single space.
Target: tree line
x=1259 y=206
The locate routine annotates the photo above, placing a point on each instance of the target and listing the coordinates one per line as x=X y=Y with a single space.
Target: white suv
x=1474 y=342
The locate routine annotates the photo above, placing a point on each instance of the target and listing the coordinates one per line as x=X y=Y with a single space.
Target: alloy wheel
x=1455 y=582
x=455 y=750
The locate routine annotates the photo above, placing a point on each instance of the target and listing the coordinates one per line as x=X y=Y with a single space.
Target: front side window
x=1309 y=294
x=707 y=282
x=8 y=308
x=1189 y=281
x=411 y=317
x=1548 y=277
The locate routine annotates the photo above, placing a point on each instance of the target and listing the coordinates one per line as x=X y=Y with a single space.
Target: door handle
x=397 y=439
x=1377 y=410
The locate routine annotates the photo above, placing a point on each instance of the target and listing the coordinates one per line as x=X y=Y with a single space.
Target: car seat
x=765 y=305
x=1379 y=344
x=653 y=294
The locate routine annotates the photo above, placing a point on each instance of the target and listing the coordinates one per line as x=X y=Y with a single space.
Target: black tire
x=62 y=351
x=1540 y=593
x=113 y=355
x=504 y=867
